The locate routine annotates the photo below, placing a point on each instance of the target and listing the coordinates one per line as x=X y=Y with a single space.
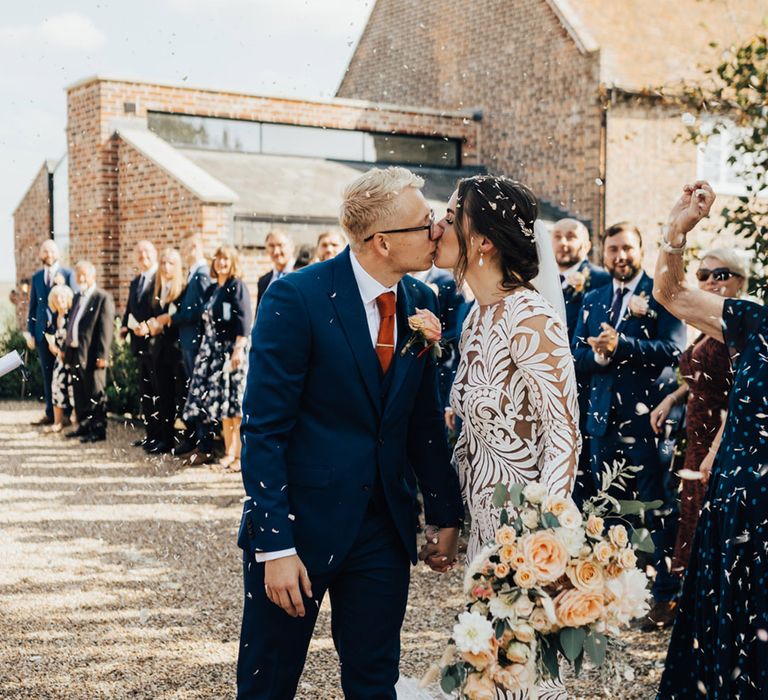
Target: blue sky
x=280 y=47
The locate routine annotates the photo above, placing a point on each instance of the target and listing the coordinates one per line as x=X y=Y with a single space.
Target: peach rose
x=524 y=606
x=518 y=559
x=557 y=505
x=539 y=621
x=628 y=558
x=523 y=632
x=507 y=553
x=479 y=687
x=502 y=570
x=505 y=535
x=586 y=576
x=545 y=554
x=603 y=552
x=613 y=569
x=518 y=653
x=426 y=323
x=595 y=526
x=618 y=536
x=514 y=677
x=479 y=661
x=525 y=577
x=575 y=608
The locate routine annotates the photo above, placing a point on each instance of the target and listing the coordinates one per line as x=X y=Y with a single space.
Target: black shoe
x=149 y=445
x=158 y=448
x=77 y=433
x=184 y=447
x=45 y=420
x=139 y=443
x=94 y=437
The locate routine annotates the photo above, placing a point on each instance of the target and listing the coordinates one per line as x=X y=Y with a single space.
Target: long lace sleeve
x=540 y=350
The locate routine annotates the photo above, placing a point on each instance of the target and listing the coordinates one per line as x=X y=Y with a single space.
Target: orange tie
x=385 y=343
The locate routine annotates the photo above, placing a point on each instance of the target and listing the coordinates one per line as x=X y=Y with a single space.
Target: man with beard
x=625 y=341
x=571 y=244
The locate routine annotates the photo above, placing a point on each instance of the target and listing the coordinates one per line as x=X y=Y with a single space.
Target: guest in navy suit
x=139 y=306
x=340 y=427
x=625 y=340
x=571 y=243
x=280 y=248
x=40 y=317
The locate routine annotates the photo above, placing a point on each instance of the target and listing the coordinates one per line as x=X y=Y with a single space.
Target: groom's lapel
x=345 y=297
x=402 y=363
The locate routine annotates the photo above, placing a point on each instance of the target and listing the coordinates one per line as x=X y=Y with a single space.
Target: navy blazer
x=236 y=318
x=320 y=430
x=595 y=277
x=140 y=305
x=39 y=315
x=190 y=310
x=647 y=347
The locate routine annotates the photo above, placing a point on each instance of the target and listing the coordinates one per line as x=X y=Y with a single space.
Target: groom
x=340 y=426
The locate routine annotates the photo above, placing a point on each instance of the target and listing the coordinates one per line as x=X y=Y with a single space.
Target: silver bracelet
x=667 y=247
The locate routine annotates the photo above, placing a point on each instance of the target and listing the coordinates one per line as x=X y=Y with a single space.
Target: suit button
x=381 y=441
x=366 y=488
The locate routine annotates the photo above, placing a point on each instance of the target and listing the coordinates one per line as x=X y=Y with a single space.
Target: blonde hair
x=370 y=199
x=227 y=251
x=177 y=282
x=736 y=260
x=60 y=292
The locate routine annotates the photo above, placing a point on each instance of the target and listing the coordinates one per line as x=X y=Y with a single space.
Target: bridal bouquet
x=554 y=584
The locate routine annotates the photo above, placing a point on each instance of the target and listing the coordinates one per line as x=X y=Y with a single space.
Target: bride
x=515 y=386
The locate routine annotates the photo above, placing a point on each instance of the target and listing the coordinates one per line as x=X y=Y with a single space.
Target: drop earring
x=480 y=262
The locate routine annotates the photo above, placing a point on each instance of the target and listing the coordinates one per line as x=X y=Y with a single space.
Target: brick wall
x=31 y=226
x=513 y=60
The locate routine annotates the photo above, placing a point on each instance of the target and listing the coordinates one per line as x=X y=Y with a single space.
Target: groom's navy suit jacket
x=323 y=430
x=647 y=347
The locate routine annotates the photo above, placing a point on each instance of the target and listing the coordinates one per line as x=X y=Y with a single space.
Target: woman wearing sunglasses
x=705 y=368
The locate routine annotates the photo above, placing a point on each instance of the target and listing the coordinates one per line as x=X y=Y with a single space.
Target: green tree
x=734 y=98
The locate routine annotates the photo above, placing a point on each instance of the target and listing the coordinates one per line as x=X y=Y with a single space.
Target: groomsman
x=571 y=243
x=280 y=248
x=139 y=307
x=40 y=317
x=86 y=353
x=624 y=341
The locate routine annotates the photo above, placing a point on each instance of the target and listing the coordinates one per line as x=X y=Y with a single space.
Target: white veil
x=547 y=282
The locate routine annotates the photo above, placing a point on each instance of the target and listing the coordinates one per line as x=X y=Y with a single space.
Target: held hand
x=660 y=413
x=53 y=349
x=154 y=327
x=441 y=548
x=284 y=581
x=123 y=332
x=450 y=419
x=238 y=355
x=101 y=363
x=163 y=319
x=706 y=465
x=142 y=329
x=30 y=342
x=694 y=205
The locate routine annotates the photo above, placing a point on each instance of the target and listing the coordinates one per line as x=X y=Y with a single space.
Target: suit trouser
x=88 y=390
x=170 y=392
x=47 y=361
x=651 y=483
x=147 y=393
x=368 y=592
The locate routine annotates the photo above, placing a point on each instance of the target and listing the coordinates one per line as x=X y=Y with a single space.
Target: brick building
x=562 y=86
x=155 y=161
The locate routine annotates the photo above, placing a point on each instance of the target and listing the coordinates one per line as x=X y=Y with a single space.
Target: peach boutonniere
x=639 y=306
x=427 y=330
x=577 y=280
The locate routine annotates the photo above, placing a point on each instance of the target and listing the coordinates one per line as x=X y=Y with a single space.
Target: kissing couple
x=342 y=423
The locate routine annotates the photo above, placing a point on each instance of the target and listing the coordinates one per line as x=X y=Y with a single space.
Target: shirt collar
x=152 y=270
x=53 y=268
x=573 y=268
x=630 y=286
x=369 y=287
x=87 y=291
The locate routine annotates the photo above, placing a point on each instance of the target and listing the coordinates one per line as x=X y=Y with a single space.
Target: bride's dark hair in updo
x=503 y=211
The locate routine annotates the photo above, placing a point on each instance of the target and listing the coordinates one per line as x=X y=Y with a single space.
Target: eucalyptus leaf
x=638 y=507
x=550 y=520
x=642 y=541
x=516 y=494
x=549 y=657
x=572 y=642
x=595 y=646
x=504 y=517
x=448 y=681
x=500 y=495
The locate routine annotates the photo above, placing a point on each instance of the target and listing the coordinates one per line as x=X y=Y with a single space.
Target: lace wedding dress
x=515 y=391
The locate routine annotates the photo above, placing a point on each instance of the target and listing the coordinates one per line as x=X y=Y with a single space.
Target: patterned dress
x=719 y=644
x=61 y=382
x=515 y=392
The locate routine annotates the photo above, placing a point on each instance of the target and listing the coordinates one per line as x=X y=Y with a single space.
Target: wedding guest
x=39 y=316
x=187 y=319
x=169 y=379
x=280 y=249
x=329 y=245
x=59 y=302
x=624 y=341
x=706 y=371
x=720 y=630
x=137 y=311
x=571 y=243
x=218 y=380
x=86 y=353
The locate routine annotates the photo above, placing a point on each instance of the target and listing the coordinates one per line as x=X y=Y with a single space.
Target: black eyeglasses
x=719 y=274
x=425 y=227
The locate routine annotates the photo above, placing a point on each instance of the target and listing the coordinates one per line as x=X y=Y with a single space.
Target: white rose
x=571 y=519
x=524 y=633
x=530 y=518
x=523 y=606
x=535 y=492
x=473 y=633
x=502 y=608
x=572 y=540
x=518 y=653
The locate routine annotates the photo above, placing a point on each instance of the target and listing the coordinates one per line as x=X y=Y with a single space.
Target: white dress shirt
x=630 y=286
x=84 y=294
x=49 y=273
x=144 y=279
x=369 y=289
x=277 y=274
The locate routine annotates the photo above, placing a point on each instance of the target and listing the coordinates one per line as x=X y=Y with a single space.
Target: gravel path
x=120 y=578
